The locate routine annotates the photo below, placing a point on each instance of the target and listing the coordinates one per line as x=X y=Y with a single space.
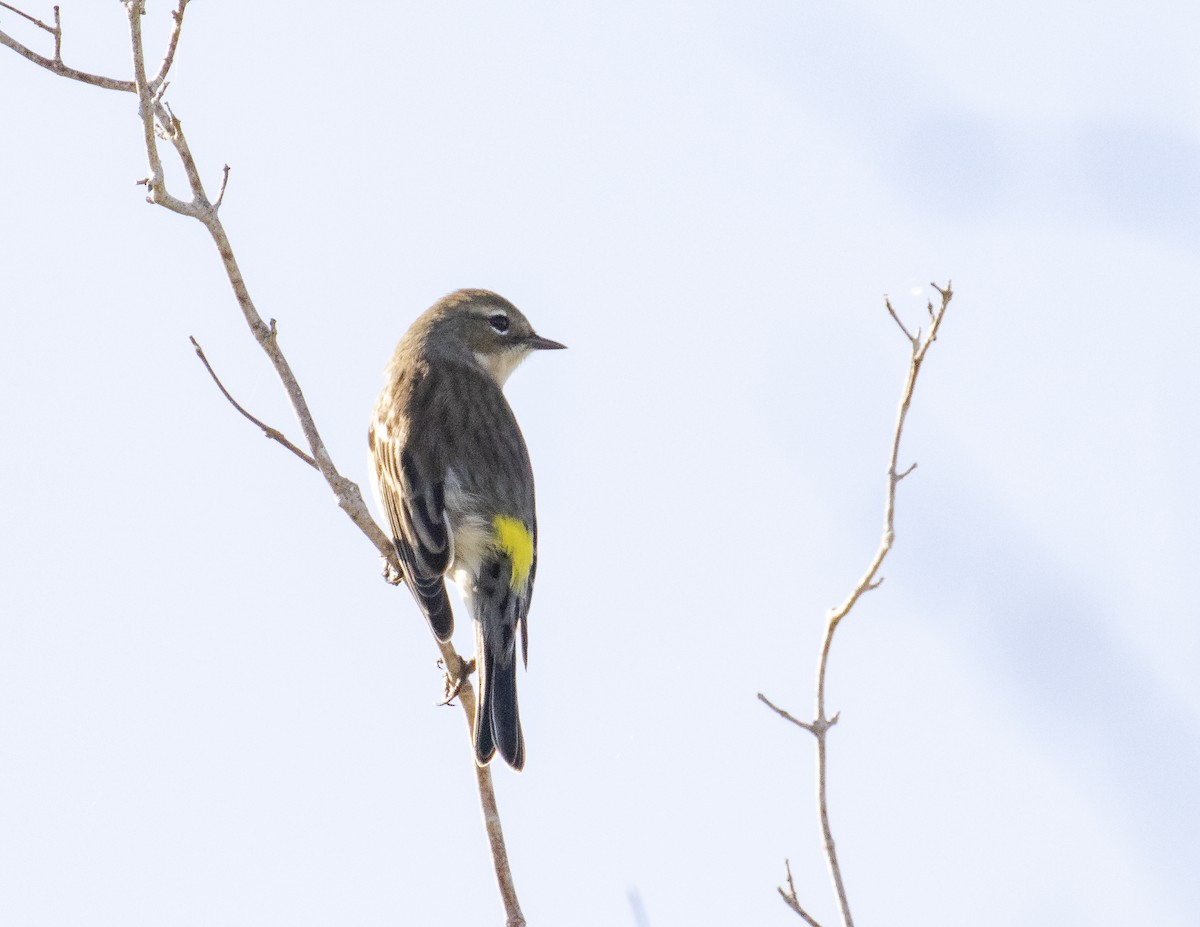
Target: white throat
x=501 y=365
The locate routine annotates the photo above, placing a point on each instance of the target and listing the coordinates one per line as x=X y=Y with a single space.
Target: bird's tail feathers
x=497 y=719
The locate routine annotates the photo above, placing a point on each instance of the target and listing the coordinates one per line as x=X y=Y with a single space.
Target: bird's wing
x=412 y=489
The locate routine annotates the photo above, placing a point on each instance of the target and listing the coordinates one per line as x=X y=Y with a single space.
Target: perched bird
x=452 y=474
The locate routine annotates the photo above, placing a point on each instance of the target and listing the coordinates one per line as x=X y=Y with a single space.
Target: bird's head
x=485 y=327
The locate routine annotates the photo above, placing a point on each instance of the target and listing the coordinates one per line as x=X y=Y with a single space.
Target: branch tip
x=221 y=193
x=892 y=312
x=57 y=37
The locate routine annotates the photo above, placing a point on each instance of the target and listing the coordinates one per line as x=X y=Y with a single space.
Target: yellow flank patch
x=512 y=537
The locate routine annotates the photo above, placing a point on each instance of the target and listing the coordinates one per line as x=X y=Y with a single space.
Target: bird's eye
x=499 y=322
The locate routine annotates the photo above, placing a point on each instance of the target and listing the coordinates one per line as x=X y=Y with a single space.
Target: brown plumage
x=453 y=477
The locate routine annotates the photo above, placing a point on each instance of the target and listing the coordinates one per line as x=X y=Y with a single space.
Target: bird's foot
x=391 y=575
x=454 y=681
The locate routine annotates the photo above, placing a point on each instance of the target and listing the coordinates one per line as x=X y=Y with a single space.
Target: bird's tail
x=497 y=720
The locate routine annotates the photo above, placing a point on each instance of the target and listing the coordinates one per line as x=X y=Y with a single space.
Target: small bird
x=452 y=474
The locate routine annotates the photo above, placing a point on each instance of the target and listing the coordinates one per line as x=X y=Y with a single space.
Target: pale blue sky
x=213 y=711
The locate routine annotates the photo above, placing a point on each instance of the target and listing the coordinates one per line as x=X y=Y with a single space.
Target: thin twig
x=790 y=899
x=53 y=30
x=819 y=726
x=172 y=44
x=221 y=194
x=273 y=433
x=887 y=302
x=785 y=715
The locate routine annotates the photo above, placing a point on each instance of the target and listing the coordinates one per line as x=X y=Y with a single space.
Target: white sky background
x=212 y=711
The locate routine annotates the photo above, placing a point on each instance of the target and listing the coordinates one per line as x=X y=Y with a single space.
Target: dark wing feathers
x=414 y=497
x=429 y=591
x=426 y=526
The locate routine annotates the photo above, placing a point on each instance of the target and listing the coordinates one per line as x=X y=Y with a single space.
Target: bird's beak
x=538 y=343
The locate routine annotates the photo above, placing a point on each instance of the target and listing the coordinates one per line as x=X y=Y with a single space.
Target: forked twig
x=55 y=64
x=790 y=899
x=53 y=30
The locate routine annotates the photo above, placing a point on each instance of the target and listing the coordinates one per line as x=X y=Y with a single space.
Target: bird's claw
x=391 y=575
x=454 y=682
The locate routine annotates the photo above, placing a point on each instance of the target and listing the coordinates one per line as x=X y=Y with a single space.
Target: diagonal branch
x=273 y=433
x=819 y=726
x=157 y=120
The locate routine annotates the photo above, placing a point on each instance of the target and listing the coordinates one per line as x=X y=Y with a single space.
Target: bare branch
x=273 y=433
x=55 y=64
x=456 y=668
x=156 y=185
x=158 y=121
x=820 y=725
x=914 y=368
x=491 y=822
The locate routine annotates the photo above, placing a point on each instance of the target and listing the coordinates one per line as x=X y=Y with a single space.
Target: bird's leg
x=454 y=681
